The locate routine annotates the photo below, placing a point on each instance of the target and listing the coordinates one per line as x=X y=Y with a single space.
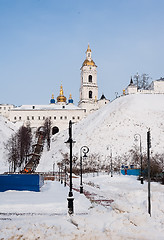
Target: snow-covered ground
x=43 y=215
x=114 y=125
x=117 y=208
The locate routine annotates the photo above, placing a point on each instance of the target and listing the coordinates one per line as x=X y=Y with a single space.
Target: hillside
x=6 y=129
x=114 y=125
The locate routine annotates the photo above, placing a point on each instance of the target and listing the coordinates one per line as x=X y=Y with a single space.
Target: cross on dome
x=61 y=97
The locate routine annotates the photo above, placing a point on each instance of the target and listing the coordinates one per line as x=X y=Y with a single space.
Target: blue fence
x=131 y=171
x=27 y=182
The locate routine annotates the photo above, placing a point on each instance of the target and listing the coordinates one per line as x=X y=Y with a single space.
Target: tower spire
x=131 y=81
x=88 y=53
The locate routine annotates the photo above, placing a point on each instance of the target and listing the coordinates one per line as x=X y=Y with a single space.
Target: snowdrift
x=115 y=126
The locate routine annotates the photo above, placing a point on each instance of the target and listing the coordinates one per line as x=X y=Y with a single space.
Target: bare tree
x=47 y=131
x=11 y=147
x=142 y=81
x=18 y=147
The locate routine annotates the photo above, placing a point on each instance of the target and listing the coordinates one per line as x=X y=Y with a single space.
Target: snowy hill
x=6 y=129
x=114 y=126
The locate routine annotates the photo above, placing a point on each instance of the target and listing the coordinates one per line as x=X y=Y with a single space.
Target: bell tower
x=88 y=88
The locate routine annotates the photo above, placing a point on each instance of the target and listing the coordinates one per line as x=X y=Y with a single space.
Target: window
x=19 y=118
x=73 y=117
x=54 y=117
x=33 y=107
x=61 y=117
x=38 y=117
x=89 y=54
x=4 y=108
x=90 y=78
x=32 y=117
x=43 y=117
x=28 y=118
x=78 y=117
x=63 y=106
x=90 y=94
x=50 y=118
x=65 y=117
x=15 y=118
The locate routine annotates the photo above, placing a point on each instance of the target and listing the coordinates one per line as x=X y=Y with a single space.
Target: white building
x=5 y=109
x=89 y=88
x=61 y=112
x=156 y=87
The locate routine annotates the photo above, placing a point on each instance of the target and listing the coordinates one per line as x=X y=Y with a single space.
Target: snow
x=43 y=215
x=115 y=126
x=46 y=107
x=116 y=207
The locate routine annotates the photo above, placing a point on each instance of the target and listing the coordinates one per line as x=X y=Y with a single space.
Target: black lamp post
x=65 y=177
x=61 y=174
x=84 y=150
x=54 y=169
x=135 y=137
x=149 y=179
x=70 y=197
x=111 y=165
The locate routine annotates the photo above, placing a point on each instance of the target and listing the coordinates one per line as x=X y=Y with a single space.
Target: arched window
x=90 y=94
x=90 y=78
x=55 y=130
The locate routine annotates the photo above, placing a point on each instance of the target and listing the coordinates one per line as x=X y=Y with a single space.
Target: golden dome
x=61 y=97
x=89 y=63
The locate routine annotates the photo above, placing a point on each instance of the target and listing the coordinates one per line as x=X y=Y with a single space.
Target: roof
x=102 y=97
x=89 y=63
x=46 y=107
x=161 y=79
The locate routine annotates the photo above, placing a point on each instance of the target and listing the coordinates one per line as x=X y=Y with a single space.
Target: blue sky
x=43 y=44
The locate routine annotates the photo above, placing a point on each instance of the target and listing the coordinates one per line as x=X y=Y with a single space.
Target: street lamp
x=111 y=165
x=54 y=169
x=61 y=174
x=65 y=173
x=70 y=197
x=136 y=139
x=84 y=150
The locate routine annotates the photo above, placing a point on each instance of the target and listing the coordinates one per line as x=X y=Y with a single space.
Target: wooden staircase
x=34 y=157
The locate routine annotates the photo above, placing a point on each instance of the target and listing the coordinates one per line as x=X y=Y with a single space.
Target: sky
x=43 y=44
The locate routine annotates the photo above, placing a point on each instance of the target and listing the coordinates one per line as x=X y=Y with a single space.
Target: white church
x=60 y=112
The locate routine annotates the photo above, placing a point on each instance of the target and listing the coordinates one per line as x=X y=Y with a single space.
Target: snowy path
x=31 y=215
x=94 y=194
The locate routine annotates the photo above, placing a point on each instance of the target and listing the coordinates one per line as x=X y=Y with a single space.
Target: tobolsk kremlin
x=61 y=110
x=81 y=120
x=57 y=173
